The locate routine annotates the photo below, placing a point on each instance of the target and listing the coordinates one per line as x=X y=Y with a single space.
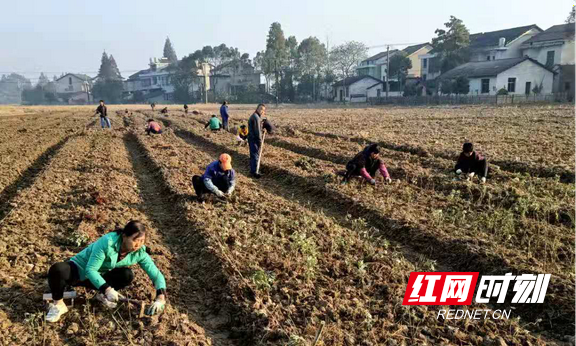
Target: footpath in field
x=86 y=189
x=342 y=271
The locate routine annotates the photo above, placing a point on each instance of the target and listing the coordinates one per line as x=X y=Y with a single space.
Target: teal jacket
x=214 y=123
x=102 y=256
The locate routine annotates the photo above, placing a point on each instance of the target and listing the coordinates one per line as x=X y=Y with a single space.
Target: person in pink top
x=153 y=127
x=365 y=164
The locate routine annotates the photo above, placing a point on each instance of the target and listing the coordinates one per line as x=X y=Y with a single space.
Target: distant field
x=297 y=248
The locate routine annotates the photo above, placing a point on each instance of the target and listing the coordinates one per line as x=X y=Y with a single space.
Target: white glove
x=219 y=193
x=156 y=307
x=111 y=294
x=458 y=171
x=388 y=180
x=483 y=180
x=373 y=182
x=471 y=175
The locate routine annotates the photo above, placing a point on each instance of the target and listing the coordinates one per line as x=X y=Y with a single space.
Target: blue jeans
x=105 y=122
x=225 y=123
x=254 y=154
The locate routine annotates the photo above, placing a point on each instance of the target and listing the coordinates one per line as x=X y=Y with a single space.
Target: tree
x=182 y=77
x=461 y=86
x=169 y=51
x=33 y=96
x=43 y=80
x=311 y=60
x=290 y=70
x=105 y=71
x=276 y=53
x=399 y=66
x=571 y=15
x=108 y=84
x=346 y=57
x=452 y=44
x=114 y=68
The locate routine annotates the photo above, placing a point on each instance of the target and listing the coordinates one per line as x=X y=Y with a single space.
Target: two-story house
x=375 y=66
x=74 y=88
x=485 y=46
x=555 y=48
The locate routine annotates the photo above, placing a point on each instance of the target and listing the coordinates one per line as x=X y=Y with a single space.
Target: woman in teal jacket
x=103 y=265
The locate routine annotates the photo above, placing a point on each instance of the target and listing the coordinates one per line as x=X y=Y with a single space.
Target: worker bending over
x=242 y=135
x=218 y=179
x=471 y=163
x=153 y=127
x=214 y=123
x=365 y=164
x=103 y=266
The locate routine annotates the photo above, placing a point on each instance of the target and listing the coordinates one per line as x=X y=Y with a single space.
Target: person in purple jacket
x=471 y=163
x=365 y=164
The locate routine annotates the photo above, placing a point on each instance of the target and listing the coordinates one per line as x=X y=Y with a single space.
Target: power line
x=394 y=44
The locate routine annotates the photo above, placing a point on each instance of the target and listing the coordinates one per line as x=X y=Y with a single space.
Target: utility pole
x=387 y=68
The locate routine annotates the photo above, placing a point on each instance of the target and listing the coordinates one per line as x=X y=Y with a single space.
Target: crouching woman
x=103 y=266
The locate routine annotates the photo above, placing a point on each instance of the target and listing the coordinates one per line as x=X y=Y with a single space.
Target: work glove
x=458 y=171
x=388 y=180
x=471 y=175
x=483 y=180
x=373 y=182
x=156 y=307
x=111 y=294
x=219 y=194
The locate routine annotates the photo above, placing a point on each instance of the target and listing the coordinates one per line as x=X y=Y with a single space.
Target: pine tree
x=105 y=71
x=43 y=80
x=114 y=68
x=169 y=51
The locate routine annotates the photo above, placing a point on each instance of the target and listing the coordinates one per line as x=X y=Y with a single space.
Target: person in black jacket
x=255 y=138
x=365 y=164
x=103 y=111
x=471 y=163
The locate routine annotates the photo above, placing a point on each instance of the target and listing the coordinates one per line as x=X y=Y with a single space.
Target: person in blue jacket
x=219 y=179
x=224 y=114
x=103 y=266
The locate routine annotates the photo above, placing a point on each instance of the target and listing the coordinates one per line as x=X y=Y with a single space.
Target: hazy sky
x=70 y=35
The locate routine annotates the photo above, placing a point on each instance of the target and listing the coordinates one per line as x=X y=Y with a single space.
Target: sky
x=70 y=35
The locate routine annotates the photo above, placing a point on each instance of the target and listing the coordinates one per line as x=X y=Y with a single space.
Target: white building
x=555 y=49
x=74 y=88
x=485 y=46
x=517 y=75
x=356 y=89
x=375 y=66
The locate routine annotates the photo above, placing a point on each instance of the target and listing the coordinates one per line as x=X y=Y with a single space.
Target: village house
x=555 y=48
x=485 y=46
x=74 y=88
x=356 y=89
x=375 y=66
x=518 y=76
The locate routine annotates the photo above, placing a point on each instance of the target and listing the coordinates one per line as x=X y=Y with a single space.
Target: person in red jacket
x=471 y=163
x=365 y=164
x=153 y=127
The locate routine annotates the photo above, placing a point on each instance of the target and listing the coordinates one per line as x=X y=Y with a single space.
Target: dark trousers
x=353 y=169
x=64 y=274
x=225 y=123
x=148 y=131
x=254 y=154
x=201 y=188
x=480 y=169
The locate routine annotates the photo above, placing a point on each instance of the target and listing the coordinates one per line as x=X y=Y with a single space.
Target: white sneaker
x=102 y=299
x=55 y=311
